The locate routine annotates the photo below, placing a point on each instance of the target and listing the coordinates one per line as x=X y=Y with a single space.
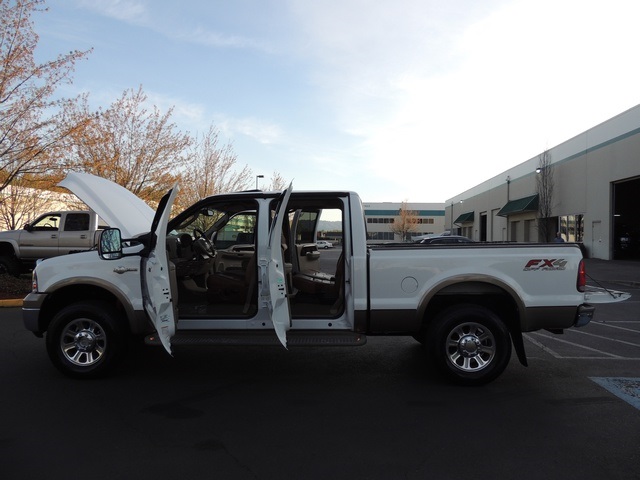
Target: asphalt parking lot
x=373 y=412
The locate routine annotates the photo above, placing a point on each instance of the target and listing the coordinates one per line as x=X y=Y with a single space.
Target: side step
x=259 y=338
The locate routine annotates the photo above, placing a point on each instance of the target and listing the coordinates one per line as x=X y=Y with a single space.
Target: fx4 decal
x=545 y=264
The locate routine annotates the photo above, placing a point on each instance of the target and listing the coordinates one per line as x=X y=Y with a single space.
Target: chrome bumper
x=31 y=312
x=584 y=315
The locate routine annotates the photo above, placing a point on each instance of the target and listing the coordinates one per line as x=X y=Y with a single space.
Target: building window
x=571 y=227
x=380 y=236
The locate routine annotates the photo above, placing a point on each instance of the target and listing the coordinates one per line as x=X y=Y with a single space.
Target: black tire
x=85 y=340
x=9 y=265
x=469 y=344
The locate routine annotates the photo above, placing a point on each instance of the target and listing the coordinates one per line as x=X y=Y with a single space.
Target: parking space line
x=608 y=324
x=542 y=346
x=628 y=389
x=604 y=338
x=573 y=344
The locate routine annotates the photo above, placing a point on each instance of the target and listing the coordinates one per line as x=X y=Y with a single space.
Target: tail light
x=582 y=277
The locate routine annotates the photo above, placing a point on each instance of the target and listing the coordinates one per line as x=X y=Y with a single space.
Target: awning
x=465 y=218
x=521 y=205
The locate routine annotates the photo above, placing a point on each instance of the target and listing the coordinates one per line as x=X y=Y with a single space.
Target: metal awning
x=521 y=205
x=465 y=218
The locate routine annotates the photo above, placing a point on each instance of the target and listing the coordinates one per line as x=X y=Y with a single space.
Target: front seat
x=234 y=286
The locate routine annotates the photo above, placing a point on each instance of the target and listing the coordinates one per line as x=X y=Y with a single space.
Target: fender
x=477 y=285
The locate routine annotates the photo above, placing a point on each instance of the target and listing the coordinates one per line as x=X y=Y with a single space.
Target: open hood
x=113 y=203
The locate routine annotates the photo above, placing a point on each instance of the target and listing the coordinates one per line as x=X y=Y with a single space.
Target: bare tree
x=211 y=169
x=406 y=223
x=18 y=205
x=277 y=182
x=544 y=188
x=30 y=116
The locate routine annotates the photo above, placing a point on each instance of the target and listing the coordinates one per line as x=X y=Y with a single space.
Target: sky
x=398 y=100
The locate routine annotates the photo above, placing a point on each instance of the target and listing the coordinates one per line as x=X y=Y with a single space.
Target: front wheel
x=470 y=344
x=85 y=340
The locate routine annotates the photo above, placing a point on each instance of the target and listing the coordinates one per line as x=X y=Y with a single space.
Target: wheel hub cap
x=469 y=346
x=85 y=341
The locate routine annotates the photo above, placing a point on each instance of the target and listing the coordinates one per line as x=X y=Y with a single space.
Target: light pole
x=258 y=177
x=451 y=229
x=508 y=188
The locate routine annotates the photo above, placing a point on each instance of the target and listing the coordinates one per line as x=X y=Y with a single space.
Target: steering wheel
x=202 y=244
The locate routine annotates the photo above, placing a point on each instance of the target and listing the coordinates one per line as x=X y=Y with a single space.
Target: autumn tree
x=544 y=187
x=406 y=222
x=130 y=144
x=30 y=115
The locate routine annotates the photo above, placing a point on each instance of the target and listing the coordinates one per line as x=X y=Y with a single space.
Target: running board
x=258 y=338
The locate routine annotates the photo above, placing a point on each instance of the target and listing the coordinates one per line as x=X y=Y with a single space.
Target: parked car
x=448 y=240
x=324 y=244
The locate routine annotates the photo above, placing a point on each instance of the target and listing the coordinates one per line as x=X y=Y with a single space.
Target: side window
x=77 y=222
x=47 y=223
x=239 y=230
x=306 y=228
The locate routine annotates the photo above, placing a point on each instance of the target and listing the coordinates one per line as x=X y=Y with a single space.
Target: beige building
x=594 y=199
x=381 y=217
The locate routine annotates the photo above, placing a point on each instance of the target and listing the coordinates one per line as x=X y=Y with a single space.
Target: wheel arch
x=66 y=294
x=488 y=292
x=7 y=248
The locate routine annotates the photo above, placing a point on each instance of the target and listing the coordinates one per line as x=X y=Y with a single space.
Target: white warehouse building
x=381 y=218
x=594 y=201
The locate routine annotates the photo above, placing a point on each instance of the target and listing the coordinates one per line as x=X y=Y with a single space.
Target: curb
x=16 y=302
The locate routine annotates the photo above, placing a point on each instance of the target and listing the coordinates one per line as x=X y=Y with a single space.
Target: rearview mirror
x=110 y=244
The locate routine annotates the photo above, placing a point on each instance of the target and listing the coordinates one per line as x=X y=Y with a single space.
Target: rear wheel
x=469 y=344
x=85 y=340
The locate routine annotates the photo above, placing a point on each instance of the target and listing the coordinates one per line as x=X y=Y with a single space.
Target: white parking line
x=609 y=325
x=605 y=338
x=607 y=355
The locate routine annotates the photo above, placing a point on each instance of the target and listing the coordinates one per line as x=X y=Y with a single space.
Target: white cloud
x=260 y=130
x=463 y=105
x=133 y=11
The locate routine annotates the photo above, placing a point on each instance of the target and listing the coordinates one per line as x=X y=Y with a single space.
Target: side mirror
x=27 y=227
x=110 y=244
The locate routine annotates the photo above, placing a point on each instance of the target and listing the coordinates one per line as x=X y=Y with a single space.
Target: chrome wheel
x=469 y=344
x=470 y=347
x=87 y=339
x=83 y=342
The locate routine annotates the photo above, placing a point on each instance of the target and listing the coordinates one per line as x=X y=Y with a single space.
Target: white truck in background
x=49 y=235
x=243 y=269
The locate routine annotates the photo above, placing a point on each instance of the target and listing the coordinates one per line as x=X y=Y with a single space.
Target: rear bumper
x=584 y=315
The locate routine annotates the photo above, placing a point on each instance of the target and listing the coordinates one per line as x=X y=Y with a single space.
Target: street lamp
x=258 y=177
x=451 y=229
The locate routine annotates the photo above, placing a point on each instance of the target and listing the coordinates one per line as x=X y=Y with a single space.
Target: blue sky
x=398 y=100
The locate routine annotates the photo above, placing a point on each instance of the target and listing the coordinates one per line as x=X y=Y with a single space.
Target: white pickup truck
x=49 y=235
x=243 y=269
